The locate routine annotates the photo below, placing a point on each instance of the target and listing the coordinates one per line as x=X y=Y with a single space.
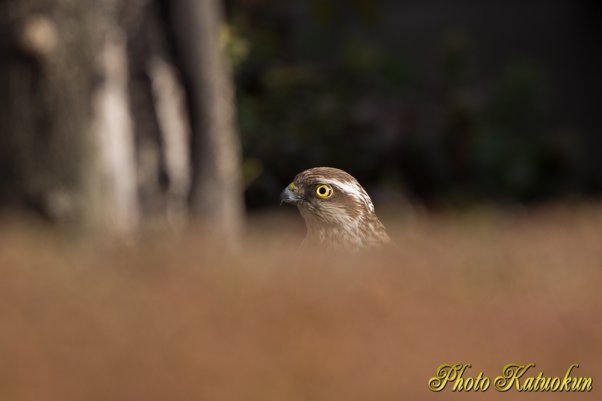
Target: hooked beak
x=288 y=196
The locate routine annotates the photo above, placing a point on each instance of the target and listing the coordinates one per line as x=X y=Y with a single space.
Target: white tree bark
x=114 y=138
x=170 y=106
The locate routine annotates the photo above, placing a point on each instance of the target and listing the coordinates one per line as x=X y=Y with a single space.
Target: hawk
x=338 y=212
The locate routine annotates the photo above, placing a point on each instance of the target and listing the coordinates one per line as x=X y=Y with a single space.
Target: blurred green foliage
x=325 y=84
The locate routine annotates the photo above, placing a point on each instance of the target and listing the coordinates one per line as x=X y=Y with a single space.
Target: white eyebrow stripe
x=348 y=187
x=354 y=189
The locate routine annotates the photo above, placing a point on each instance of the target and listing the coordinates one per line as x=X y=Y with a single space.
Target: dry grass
x=177 y=319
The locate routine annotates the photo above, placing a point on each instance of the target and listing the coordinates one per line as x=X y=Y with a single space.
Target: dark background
x=448 y=104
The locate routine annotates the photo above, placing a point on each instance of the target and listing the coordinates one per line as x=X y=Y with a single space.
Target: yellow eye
x=323 y=191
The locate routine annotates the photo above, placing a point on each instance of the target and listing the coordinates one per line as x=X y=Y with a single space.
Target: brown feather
x=346 y=219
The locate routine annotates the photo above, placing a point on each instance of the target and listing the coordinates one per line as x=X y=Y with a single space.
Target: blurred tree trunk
x=101 y=125
x=61 y=91
x=115 y=171
x=216 y=187
x=161 y=121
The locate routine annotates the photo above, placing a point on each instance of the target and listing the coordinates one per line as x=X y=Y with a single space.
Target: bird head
x=334 y=206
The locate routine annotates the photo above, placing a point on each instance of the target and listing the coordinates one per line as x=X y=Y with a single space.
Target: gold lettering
x=513 y=376
x=587 y=384
x=567 y=379
x=539 y=381
x=446 y=374
x=510 y=375
x=545 y=385
x=581 y=384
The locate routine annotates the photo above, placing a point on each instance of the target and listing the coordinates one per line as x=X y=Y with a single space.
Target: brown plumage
x=337 y=211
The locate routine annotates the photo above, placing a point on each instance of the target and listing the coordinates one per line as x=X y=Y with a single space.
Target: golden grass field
x=177 y=318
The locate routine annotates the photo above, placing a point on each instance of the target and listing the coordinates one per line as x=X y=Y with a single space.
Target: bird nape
x=338 y=212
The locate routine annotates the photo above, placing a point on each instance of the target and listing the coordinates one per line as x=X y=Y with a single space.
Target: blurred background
x=130 y=114
x=446 y=103
x=138 y=138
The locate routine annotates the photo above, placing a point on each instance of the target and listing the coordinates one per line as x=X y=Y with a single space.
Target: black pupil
x=322 y=191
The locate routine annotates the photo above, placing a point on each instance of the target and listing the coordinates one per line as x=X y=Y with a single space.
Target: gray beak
x=288 y=196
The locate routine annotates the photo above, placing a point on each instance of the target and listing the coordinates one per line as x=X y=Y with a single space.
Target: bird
x=337 y=210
